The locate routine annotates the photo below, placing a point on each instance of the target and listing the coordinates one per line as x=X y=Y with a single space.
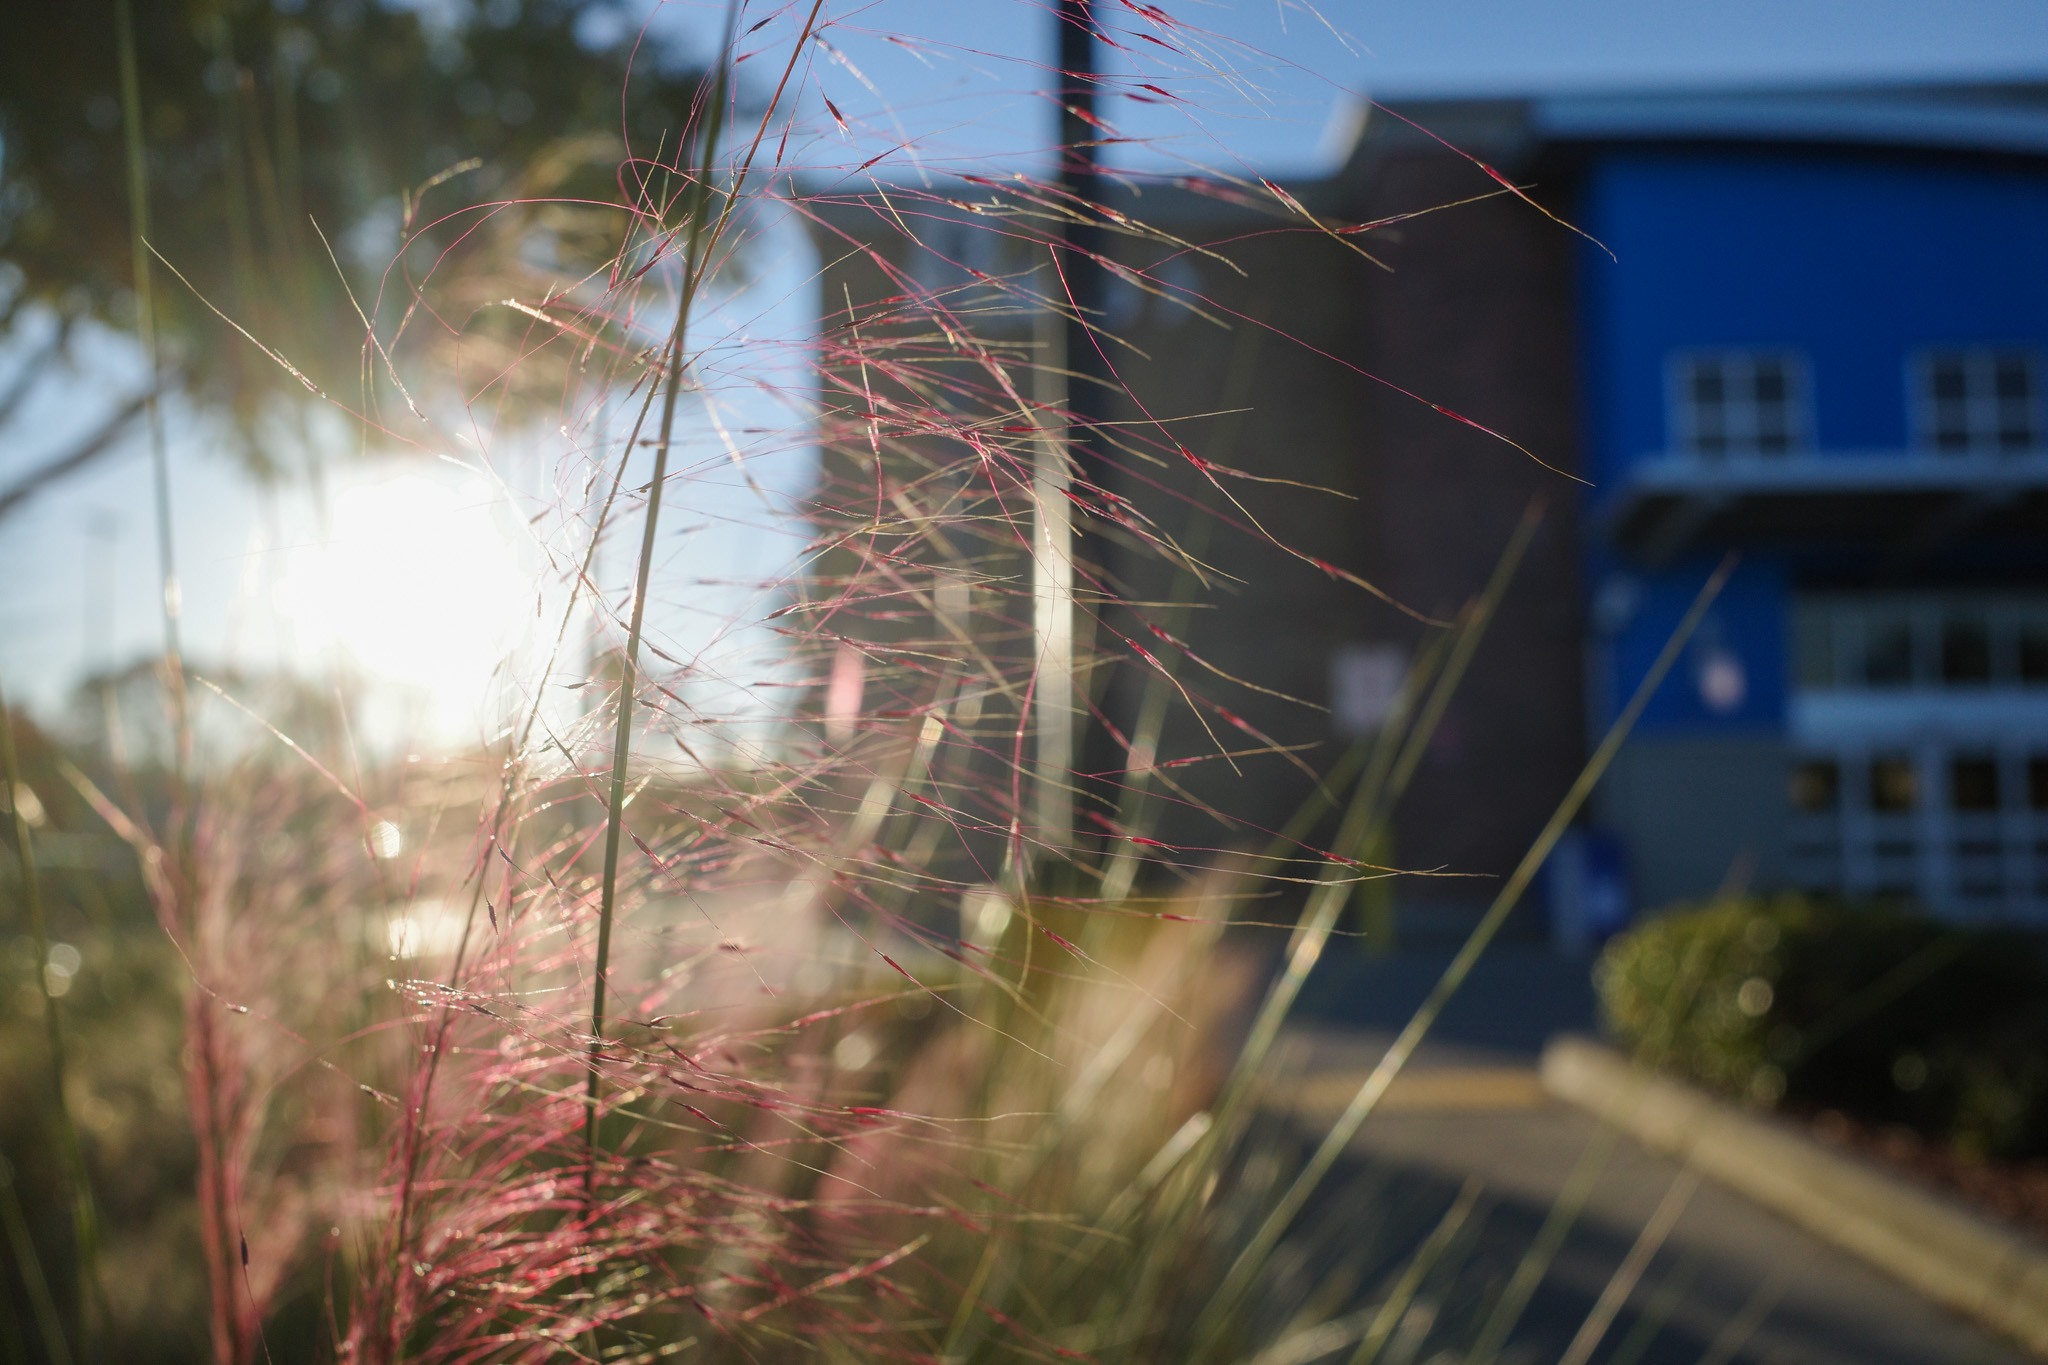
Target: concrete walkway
x=1730 y=1282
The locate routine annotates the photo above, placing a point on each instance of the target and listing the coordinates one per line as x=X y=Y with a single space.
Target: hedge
x=1888 y=1016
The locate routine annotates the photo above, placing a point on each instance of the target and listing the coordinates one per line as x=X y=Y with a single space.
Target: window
x=1888 y=650
x=1921 y=641
x=1816 y=786
x=1961 y=828
x=1920 y=767
x=1973 y=782
x=2033 y=650
x=1965 y=649
x=1738 y=403
x=1980 y=400
x=1893 y=789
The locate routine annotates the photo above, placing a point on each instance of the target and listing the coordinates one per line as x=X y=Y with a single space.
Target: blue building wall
x=1746 y=621
x=1852 y=260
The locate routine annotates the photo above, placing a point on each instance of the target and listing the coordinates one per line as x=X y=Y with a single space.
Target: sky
x=926 y=86
x=967 y=77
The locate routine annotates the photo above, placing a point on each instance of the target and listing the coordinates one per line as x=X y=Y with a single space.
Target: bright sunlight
x=418 y=586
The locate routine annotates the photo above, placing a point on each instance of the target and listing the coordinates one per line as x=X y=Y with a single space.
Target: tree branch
x=75 y=459
x=32 y=369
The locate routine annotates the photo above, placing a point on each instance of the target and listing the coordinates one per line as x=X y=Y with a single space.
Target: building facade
x=1818 y=342
x=1810 y=329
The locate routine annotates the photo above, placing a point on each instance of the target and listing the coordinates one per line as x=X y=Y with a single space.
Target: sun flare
x=417 y=586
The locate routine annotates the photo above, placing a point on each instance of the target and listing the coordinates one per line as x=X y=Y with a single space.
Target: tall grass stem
x=1623 y=1282
x=1386 y=777
x=1362 y=1104
x=145 y=329
x=1417 y=1270
x=48 y=1322
x=84 y=1216
x=698 y=250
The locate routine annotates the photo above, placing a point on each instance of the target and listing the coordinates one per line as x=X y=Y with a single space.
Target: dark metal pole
x=1078 y=132
x=1080 y=176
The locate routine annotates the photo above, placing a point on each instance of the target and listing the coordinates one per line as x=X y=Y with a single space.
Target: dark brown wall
x=1472 y=312
x=1469 y=309
x=1478 y=317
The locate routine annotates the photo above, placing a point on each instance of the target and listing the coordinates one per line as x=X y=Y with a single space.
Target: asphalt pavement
x=1715 y=1279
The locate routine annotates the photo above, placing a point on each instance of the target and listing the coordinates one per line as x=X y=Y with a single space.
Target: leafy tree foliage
x=301 y=150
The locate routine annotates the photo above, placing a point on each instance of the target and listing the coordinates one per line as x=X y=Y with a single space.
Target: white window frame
x=1981 y=409
x=1977 y=865
x=1835 y=626
x=1989 y=864
x=1680 y=414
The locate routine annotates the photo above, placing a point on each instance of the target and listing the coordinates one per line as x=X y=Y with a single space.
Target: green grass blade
x=1657 y=1312
x=1362 y=1104
x=701 y=237
x=84 y=1216
x=1623 y=1282
x=145 y=330
x=31 y=1267
x=1418 y=1269
x=1394 y=763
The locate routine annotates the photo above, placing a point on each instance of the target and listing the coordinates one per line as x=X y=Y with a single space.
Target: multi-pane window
x=1961 y=828
x=1979 y=400
x=1902 y=641
x=1738 y=403
x=1921 y=724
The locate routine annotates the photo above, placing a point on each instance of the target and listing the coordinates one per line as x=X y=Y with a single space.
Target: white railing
x=1821 y=471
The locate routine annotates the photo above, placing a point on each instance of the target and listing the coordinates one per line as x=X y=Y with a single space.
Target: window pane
x=1892 y=784
x=1737 y=403
x=2034 y=651
x=1965 y=650
x=1973 y=783
x=2015 y=378
x=1813 y=645
x=1816 y=786
x=1982 y=401
x=1887 y=652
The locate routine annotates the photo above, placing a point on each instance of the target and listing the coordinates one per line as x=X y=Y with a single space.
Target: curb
x=1947 y=1253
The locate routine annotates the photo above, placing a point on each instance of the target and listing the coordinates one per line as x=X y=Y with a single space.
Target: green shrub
x=1886 y=1015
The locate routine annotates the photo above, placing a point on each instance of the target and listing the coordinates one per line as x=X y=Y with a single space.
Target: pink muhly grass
x=836 y=1049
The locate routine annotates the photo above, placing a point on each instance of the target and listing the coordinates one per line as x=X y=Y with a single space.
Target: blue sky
x=964 y=75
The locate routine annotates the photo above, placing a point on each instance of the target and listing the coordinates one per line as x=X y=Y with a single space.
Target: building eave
x=1664 y=506
x=2004 y=121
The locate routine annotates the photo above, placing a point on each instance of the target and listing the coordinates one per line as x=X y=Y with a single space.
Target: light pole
x=1068 y=363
